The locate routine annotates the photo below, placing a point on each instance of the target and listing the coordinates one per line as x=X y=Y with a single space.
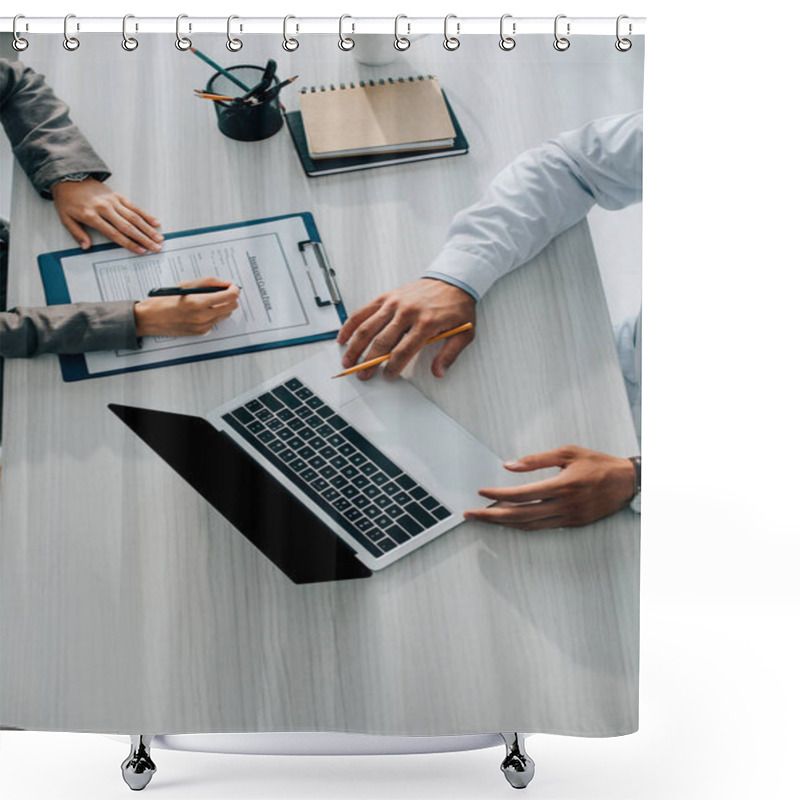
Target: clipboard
x=311 y=250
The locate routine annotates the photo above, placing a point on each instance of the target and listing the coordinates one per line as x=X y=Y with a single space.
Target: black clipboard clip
x=322 y=262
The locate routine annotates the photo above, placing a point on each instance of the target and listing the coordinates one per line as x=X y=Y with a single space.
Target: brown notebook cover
x=376 y=117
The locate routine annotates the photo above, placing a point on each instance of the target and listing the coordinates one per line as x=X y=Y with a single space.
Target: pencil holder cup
x=246 y=120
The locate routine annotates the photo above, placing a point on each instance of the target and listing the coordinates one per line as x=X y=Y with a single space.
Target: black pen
x=177 y=291
x=276 y=90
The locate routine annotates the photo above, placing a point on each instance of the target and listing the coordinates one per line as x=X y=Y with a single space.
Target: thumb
x=550 y=458
x=449 y=352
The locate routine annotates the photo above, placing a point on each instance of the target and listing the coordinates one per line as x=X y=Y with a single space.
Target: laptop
x=373 y=465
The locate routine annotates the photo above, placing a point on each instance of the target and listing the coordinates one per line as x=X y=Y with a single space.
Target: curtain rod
x=407 y=25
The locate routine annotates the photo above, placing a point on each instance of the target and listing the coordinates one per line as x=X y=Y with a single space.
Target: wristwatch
x=636 y=500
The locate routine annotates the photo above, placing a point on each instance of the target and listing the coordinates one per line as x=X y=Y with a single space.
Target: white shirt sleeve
x=538 y=196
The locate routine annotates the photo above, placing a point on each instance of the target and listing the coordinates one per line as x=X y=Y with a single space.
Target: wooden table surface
x=130 y=605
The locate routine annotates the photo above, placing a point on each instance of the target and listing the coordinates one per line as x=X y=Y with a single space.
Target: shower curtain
x=164 y=570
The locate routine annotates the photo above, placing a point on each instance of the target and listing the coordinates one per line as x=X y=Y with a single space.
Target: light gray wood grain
x=130 y=605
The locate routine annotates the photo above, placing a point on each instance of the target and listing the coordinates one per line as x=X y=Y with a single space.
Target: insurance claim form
x=285 y=295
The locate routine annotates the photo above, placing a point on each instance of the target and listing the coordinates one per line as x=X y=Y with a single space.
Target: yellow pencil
x=380 y=359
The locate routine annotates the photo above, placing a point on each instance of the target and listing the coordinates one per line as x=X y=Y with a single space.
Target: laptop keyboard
x=335 y=466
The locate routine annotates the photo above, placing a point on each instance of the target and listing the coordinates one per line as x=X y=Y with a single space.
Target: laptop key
x=359 y=501
x=306 y=452
x=382 y=501
x=326 y=431
x=271 y=402
x=243 y=415
x=406 y=482
x=347 y=449
x=305 y=434
x=293 y=384
x=324 y=411
x=374 y=534
x=286 y=397
x=317 y=442
x=266 y=436
x=372 y=511
x=410 y=525
x=285 y=433
x=321 y=485
x=369 y=468
x=304 y=393
x=353 y=514
x=295 y=424
x=441 y=513
x=362 y=482
x=351 y=492
x=309 y=476
x=427 y=502
x=303 y=412
x=418 y=493
x=314 y=402
x=401 y=498
x=274 y=424
x=328 y=452
x=390 y=488
x=336 y=439
x=398 y=534
x=264 y=414
x=336 y=422
x=386 y=545
x=314 y=421
x=339 y=462
x=342 y=504
x=330 y=494
x=380 y=479
x=286 y=415
x=349 y=471
x=277 y=446
x=372 y=491
x=393 y=511
x=317 y=462
x=339 y=481
x=295 y=442
x=420 y=515
x=383 y=521
x=363 y=524
x=327 y=472
x=358 y=459
x=255 y=427
x=253 y=406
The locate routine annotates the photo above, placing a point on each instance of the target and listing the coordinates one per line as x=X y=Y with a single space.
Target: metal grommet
x=289 y=44
x=345 y=42
x=451 y=42
x=507 y=42
x=19 y=44
x=182 y=42
x=623 y=45
x=401 y=43
x=561 y=43
x=129 y=43
x=71 y=43
x=233 y=44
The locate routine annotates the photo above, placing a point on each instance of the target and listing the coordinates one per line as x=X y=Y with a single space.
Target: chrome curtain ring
x=345 y=42
x=451 y=42
x=507 y=42
x=561 y=43
x=233 y=44
x=70 y=42
x=401 y=43
x=129 y=43
x=182 y=42
x=289 y=44
x=19 y=44
x=623 y=45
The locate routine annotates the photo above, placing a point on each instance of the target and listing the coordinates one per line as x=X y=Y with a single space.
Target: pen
x=218 y=68
x=177 y=291
x=467 y=326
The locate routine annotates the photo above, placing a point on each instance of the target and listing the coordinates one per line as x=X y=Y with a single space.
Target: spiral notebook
x=374 y=123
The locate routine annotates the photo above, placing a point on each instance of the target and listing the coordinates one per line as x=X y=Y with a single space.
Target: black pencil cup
x=243 y=120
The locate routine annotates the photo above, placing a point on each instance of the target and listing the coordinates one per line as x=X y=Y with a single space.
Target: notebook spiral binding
x=363 y=84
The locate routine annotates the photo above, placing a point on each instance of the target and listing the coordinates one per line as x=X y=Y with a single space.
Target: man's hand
x=401 y=321
x=591 y=486
x=92 y=203
x=187 y=315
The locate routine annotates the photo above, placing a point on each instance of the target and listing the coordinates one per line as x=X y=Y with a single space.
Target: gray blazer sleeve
x=46 y=142
x=76 y=328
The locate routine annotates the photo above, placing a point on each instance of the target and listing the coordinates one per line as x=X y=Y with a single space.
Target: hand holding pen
x=191 y=308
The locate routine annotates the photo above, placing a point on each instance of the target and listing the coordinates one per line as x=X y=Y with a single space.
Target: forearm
x=76 y=328
x=47 y=144
x=544 y=192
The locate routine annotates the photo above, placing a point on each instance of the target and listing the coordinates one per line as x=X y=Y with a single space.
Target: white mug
x=377 y=49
